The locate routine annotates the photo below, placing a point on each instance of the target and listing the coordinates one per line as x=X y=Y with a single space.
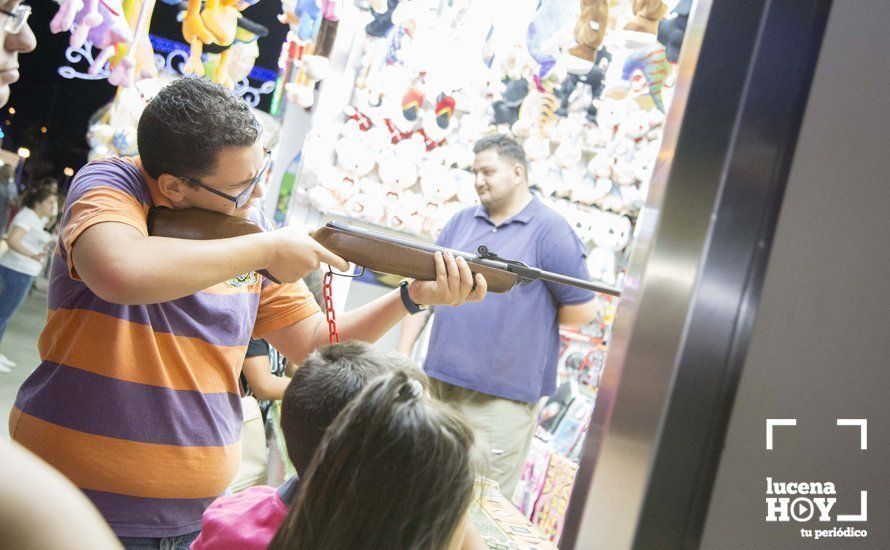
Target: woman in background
x=29 y=242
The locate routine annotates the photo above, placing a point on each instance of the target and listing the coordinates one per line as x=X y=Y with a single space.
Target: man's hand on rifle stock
x=453 y=285
x=294 y=254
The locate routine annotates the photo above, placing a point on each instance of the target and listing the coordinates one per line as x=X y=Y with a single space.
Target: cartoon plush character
x=671 y=31
x=225 y=64
x=216 y=24
x=544 y=28
x=134 y=61
x=506 y=109
x=595 y=78
x=590 y=29
x=647 y=13
x=652 y=62
x=220 y=17
x=102 y=22
x=382 y=22
x=611 y=234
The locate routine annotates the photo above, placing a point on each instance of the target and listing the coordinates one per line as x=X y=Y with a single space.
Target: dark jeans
x=14 y=288
x=181 y=542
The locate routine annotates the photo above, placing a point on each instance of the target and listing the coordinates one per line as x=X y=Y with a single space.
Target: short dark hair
x=184 y=127
x=37 y=196
x=48 y=181
x=505 y=146
x=323 y=385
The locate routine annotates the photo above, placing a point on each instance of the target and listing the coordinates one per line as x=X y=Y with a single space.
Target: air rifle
x=374 y=250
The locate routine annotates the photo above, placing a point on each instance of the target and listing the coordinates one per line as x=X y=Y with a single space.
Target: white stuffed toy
x=611 y=234
x=100 y=137
x=465 y=184
x=354 y=158
x=437 y=181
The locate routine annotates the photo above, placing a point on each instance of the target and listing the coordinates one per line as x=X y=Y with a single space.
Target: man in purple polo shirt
x=495 y=359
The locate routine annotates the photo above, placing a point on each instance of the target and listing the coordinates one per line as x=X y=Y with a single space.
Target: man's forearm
x=146 y=270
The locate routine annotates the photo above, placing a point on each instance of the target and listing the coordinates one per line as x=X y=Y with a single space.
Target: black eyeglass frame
x=241 y=198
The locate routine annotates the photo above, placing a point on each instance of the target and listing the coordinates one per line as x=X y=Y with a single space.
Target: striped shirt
x=139 y=405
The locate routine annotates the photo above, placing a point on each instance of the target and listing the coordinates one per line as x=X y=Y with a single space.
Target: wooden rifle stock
x=372 y=250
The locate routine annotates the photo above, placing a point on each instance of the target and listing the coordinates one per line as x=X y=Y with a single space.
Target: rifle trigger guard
x=353 y=276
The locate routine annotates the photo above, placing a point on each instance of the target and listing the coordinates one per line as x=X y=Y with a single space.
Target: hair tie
x=411 y=390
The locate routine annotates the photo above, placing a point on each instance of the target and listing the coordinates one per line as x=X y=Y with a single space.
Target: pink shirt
x=245 y=520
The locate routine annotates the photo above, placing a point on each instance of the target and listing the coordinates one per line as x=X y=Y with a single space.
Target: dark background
x=44 y=99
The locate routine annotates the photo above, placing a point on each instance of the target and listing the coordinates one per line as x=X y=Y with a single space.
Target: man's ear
x=172 y=188
x=519 y=172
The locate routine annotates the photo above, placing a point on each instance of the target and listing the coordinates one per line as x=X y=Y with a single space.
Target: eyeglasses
x=241 y=198
x=18 y=17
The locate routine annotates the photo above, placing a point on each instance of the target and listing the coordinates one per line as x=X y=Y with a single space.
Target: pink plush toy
x=102 y=22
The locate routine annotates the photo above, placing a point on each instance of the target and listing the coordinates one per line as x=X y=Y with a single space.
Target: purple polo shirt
x=507 y=344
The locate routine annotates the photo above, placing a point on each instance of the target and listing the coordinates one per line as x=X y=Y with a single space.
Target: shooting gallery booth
x=653 y=131
x=372 y=116
x=387 y=145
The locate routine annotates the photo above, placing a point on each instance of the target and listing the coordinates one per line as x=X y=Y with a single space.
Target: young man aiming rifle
x=136 y=399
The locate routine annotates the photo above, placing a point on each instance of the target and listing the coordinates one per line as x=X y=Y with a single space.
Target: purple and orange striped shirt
x=139 y=405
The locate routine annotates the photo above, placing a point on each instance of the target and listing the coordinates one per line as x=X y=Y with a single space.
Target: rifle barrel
x=571 y=281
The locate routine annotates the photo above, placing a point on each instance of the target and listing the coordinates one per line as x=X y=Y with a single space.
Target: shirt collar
x=524 y=216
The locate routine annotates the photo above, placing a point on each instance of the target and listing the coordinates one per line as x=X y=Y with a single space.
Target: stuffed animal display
x=585 y=96
x=110 y=27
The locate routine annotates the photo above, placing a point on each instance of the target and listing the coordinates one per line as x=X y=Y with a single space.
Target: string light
x=43 y=129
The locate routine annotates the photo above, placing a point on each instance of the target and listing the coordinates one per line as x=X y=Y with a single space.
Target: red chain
x=329 y=307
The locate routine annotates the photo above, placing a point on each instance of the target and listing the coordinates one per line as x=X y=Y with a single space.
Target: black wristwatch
x=407 y=301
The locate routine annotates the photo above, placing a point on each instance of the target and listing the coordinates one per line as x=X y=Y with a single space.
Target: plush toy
x=624 y=175
x=220 y=17
x=124 y=140
x=590 y=29
x=102 y=22
x=396 y=172
x=465 y=186
x=366 y=207
x=193 y=28
x=100 y=137
x=647 y=13
x=611 y=235
x=382 y=22
x=506 y=109
x=594 y=78
x=68 y=10
x=437 y=181
x=323 y=199
x=354 y=162
x=671 y=31
x=228 y=65
x=545 y=27
x=651 y=61
x=610 y=115
x=537 y=115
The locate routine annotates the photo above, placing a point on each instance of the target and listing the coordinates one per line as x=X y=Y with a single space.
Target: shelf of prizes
x=422 y=82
